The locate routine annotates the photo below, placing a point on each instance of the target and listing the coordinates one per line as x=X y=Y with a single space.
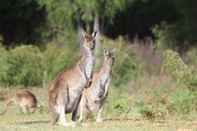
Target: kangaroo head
x=88 y=41
x=9 y=100
x=109 y=57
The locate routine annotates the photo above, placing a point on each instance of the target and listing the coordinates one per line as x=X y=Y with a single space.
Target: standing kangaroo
x=65 y=91
x=94 y=96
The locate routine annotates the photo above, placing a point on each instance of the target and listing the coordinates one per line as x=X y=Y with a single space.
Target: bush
x=174 y=65
x=191 y=57
x=34 y=66
x=121 y=105
x=152 y=102
x=3 y=63
x=56 y=58
x=145 y=110
x=124 y=70
x=165 y=36
x=126 y=67
x=165 y=101
x=183 y=101
x=22 y=66
x=31 y=66
x=117 y=103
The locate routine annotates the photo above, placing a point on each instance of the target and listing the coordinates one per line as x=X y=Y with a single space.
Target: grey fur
x=94 y=96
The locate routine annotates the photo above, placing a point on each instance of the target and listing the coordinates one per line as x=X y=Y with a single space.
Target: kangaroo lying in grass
x=23 y=98
x=94 y=96
x=65 y=91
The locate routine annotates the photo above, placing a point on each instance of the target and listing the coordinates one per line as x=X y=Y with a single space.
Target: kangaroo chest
x=100 y=89
x=87 y=67
x=97 y=96
x=75 y=92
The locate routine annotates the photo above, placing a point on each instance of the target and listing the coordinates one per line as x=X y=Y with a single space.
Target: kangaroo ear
x=94 y=34
x=105 y=51
x=84 y=34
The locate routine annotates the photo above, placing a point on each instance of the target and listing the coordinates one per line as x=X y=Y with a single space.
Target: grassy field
x=14 y=120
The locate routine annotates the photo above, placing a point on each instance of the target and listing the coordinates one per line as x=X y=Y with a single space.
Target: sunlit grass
x=14 y=120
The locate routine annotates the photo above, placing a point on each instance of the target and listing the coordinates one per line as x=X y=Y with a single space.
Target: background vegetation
x=154 y=75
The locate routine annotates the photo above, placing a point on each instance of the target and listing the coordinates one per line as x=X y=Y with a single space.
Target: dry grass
x=13 y=120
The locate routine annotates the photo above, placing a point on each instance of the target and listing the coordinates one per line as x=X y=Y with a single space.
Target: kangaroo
x=94 y=96
x=65 y=91
x=24 y=98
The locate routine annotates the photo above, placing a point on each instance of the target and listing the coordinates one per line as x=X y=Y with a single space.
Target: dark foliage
x=20 y=20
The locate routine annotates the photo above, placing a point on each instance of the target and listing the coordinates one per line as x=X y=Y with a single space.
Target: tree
x=19 y=20
x=187 y=23
x=63 y=13
x=99 y=11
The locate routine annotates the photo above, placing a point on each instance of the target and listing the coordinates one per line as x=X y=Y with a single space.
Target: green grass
x=14 y=120
x=40 y=123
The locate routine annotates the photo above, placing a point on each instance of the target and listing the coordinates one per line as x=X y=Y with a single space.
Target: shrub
x=23 y=66
x=183 y=101
x=31 y=66
x=191 y=57
x=126 y=67
x=117 y=103
x=179 y=102
x=56 y=58
x=152 y=101
x=165 y=36
x=121 y=105
x=145 y=110
x=3 y=63
x=175 y=66
x=59 y=54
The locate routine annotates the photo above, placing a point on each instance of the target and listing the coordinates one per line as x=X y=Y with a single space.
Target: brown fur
x=23 y=98
x=65 y=90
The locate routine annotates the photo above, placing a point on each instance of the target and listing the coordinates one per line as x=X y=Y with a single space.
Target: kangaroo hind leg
x=55 y=117
x=98 y=117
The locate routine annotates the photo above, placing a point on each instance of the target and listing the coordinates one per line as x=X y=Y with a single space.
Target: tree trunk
x=96 y=28
x=79 y=27
x=88 y=27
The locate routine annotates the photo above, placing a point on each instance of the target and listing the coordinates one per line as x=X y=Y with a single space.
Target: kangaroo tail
x=53 y=112
x=51 y=107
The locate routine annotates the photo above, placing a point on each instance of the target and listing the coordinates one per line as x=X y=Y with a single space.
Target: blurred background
x=154 y=75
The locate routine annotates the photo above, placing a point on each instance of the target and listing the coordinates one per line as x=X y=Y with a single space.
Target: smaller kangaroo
x=94 y=96
x=24 y=98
